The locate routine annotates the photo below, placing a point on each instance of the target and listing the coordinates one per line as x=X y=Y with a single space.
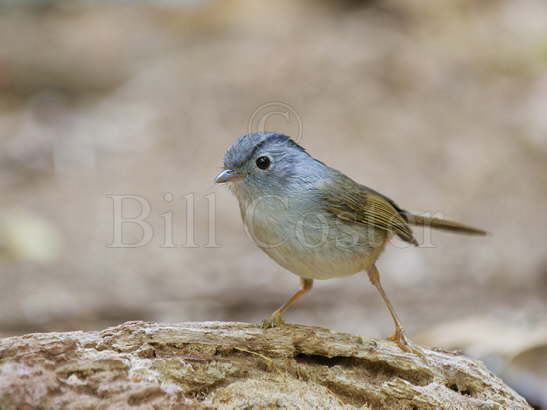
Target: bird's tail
x=443 y=224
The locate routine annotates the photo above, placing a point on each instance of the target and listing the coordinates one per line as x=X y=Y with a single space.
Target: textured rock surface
x=216 y=364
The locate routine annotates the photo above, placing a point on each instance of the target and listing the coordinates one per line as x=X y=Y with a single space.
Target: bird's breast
x=312 y=244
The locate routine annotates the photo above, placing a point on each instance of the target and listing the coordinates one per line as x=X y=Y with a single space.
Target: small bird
x=313 y=220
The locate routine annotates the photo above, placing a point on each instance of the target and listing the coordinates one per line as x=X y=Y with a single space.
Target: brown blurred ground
x=441 y=107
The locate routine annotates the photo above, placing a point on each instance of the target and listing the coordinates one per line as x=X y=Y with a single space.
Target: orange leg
x=275 y=320
x=399 y=336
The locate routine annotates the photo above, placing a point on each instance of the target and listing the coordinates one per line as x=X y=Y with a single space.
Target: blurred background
x=439 y=105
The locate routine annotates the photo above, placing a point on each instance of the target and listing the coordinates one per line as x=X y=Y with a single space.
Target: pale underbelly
x=324 y=257
x=321 y=265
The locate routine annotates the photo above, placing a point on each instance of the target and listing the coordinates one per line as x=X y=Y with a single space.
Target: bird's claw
x=404 y=343
x=274 y=321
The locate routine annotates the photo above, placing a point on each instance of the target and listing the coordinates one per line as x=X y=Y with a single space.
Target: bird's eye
x=263 y=162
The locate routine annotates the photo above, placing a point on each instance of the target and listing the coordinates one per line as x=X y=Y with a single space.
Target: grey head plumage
x=287 y=164
x=245 y=146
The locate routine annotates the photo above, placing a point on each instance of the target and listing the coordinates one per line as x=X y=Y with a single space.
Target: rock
x=227 y=365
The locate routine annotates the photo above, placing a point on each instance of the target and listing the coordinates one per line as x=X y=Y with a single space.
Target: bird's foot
x=274 y=321
x=404 y=342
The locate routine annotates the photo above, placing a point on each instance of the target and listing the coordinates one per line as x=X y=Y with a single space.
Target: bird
x=314 y=220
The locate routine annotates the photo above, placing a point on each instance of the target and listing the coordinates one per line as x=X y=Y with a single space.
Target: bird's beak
x=229 y=175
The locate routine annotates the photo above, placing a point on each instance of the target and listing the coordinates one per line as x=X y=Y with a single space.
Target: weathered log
x=236 y=365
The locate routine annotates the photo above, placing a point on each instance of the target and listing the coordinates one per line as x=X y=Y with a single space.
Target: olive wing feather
x=352 y=202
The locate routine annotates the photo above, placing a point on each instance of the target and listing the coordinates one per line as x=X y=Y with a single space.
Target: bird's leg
x=275 y=320
x=399 y=336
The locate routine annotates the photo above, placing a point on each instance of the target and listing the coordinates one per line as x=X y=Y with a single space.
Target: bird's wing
x=352 y=202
